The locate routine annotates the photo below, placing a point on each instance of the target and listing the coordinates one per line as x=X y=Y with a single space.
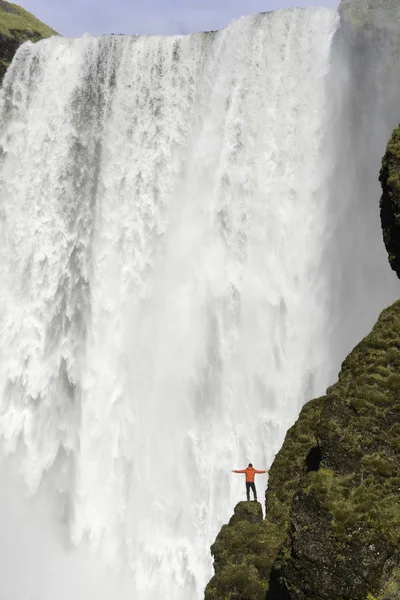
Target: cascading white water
x=164 y=203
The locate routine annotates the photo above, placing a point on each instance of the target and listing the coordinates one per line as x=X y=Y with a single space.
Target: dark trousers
x=250 y=485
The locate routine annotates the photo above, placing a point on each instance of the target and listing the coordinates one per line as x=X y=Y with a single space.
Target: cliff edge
x=332 y=526
x=16 y=27
x=390 y=200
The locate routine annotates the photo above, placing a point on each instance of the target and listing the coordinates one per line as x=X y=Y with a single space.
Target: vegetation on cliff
x=332 y=526
x=345 y=517
x=17 y=26
x=246 y=549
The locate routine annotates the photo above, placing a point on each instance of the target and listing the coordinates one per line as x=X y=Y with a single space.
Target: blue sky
x=76 y=17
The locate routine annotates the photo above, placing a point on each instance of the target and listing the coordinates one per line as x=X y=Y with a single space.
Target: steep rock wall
x=345 y=516
x=390 y=200
x=246 y=549
x=332 y=525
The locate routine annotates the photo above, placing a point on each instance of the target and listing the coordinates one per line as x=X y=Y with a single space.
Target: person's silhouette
x=250 y=472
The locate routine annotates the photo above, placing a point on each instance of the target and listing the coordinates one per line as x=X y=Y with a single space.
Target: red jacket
x=250 y=472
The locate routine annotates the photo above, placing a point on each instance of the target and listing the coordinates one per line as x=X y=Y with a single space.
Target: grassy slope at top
x=18 y=23
x=17 y=26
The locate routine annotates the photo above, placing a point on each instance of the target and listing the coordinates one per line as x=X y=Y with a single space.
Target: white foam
x=163 y=309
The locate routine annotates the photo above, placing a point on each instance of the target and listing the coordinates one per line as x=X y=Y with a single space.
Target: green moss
x=15 y=22
x=16 y=27
x=246 y=549
x=346 y=512
x=290 y=465
x=391 y=587
x=370 y=383
x=241 y=552
x=350 y=507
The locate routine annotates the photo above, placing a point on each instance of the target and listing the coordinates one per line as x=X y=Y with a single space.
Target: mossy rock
x=246 y=549
x=16 y=27
x=332 y=525
x=345 y=516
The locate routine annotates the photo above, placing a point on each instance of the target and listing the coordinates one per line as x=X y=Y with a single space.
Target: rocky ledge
x=390 y=201
x=332 y=526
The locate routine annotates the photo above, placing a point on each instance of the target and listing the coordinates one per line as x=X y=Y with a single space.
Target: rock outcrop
x=246 y=549
x=390 y=201
x=345 y=516
x=16 y=27
x=332 y=526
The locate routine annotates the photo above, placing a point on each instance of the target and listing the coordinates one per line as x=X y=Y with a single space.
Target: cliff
x=332 y=526
x=247 y=548
x=16 y=27
x=390 y=200
x=345 y=514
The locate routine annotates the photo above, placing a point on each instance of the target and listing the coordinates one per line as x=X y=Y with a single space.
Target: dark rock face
x=332 y=526
x=8 y=47
x=317 y=568
x=345 y=517
x=246 y=549
x=390 y=200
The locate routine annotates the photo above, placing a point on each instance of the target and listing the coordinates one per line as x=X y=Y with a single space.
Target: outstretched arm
x=242 y=471
x=261 y=471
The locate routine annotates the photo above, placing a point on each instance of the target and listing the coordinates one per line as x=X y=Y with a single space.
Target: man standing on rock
x=250 y=473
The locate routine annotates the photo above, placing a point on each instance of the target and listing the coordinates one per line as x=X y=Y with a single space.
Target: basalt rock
x=345 y=517
x=390 y=200
x=332 y=526
x=246 y=549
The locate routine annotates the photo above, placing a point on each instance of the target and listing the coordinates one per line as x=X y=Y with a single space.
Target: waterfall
x=164 y=212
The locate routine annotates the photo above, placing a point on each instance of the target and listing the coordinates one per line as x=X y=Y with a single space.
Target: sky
x=77 y=17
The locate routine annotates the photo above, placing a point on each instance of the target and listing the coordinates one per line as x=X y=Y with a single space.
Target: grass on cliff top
x=17 y=23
